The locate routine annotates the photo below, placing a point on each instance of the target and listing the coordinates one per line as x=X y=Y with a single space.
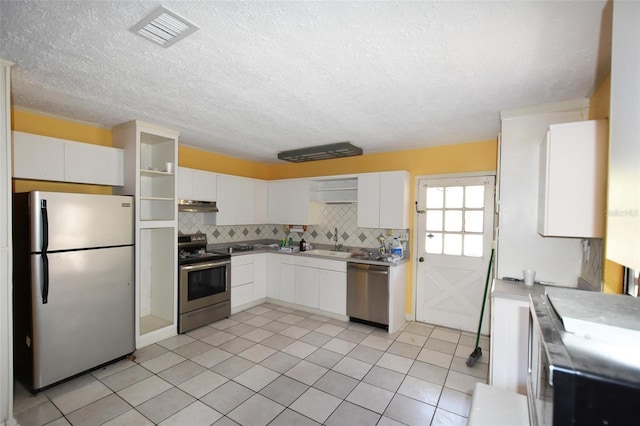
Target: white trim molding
x=6 y=312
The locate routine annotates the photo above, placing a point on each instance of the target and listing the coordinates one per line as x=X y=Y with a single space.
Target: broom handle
x=484 y=298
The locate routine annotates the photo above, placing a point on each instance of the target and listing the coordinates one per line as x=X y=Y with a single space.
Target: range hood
x=195 y=206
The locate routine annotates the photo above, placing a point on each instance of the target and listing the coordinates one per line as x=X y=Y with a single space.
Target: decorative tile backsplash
x=592 y=265
x=340 y=216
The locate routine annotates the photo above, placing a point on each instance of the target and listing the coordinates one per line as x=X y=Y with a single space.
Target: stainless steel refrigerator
x=73 y=284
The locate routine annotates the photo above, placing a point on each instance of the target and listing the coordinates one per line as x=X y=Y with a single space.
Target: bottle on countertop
x=303 y=246
x=290 y=241
x=396 y=248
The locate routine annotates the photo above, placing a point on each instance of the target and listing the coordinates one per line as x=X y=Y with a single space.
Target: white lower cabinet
x=242 y=278
x=241 y=295
x=332 y=291
x=287 y=278
x=273 y=275
x=509 y=353
x=259 y=276
x=306 y=282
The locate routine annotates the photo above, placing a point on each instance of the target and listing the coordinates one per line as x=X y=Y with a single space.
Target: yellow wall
x=612 y=274
x=460 y=158
x=203 y=160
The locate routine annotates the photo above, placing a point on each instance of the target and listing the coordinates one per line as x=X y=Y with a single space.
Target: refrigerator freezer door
x=77 y=221
x=89 y=317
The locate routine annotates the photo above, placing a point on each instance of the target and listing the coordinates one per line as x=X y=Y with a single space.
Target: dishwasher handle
x=369 y=269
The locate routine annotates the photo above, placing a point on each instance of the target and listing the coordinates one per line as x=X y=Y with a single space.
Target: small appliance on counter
x=583 y=359
x=73 y=282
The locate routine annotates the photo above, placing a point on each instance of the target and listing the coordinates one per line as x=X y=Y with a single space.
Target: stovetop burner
x=242 y=247
x=192 y=248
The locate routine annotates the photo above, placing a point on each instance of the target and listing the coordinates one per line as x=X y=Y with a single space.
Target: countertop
x=223 y=248
x=515 y=290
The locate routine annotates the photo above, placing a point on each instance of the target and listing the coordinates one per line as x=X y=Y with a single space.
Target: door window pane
x=453 y=244
x=474 y=196
x=453 y=197
x=434 y=220
x=453 y=220
x=433 y=243
x=473 y=245
x=473 y=221
x=435 y=197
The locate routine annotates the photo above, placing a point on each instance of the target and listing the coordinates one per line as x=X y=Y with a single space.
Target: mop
x=477 y=352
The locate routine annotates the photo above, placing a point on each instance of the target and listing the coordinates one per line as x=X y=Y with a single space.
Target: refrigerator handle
x=45 y=278
x=45 y=226
x=43 y=249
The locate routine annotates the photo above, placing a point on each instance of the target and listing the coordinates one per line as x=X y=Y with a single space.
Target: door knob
x=421 y=259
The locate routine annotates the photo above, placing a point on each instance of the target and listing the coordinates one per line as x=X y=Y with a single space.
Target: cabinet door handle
x=421 y=259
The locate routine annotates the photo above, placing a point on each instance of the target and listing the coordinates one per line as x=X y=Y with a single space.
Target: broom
x=477 y=352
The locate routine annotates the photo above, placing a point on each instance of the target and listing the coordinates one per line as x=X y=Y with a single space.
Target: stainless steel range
x=204 y=283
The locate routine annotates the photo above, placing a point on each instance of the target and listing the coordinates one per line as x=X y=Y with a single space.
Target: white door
x=455 y=235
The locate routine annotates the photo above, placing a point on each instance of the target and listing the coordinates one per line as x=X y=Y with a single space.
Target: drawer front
x=332 y=265
x=311 y=262
x=287 y=259
x=241 y=295
x=241 y=260
x=242 y=274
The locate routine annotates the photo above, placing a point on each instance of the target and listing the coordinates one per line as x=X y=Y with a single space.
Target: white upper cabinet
x=46 y=158
x=93 y=164
x=260 y=202
x=623 y=219
x=571 y=197
x=185 y=183
x=236 y=201
x=38 y=157
x=369 y=200
x=277 y=201
x=240 y=200
x=288 y=202
x=383 y=200
x=196 y=184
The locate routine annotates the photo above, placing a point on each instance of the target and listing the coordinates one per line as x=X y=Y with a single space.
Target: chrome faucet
x=382 y=248
x=335 y=238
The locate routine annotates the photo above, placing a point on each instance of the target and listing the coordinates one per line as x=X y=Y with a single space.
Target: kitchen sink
x=331 y=253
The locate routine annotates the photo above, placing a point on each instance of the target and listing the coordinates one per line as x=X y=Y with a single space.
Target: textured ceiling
x=262 y=77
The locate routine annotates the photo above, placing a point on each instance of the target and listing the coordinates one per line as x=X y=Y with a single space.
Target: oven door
x=204 y=284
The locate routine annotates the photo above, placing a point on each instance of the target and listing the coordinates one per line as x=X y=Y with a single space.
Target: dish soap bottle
x=302 y=245
x=396 y=248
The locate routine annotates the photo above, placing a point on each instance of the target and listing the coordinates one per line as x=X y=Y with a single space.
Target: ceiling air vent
x=164 y=27
x=320 y=152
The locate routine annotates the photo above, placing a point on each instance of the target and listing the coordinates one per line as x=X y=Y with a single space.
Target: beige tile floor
x=278 y=366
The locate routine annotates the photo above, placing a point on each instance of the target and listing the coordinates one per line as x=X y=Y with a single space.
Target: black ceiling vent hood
x=320 y=152
x=195 y=206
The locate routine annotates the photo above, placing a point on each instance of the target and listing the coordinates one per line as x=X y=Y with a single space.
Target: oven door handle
x=207 y=265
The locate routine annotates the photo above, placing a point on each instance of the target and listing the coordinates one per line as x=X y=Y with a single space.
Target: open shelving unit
x=336 y=191
x=147 y=150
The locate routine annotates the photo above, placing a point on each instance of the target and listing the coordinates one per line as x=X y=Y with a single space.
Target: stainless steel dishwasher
x=368 y=293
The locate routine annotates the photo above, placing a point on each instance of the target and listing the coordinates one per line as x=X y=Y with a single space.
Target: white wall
x=558 y=260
